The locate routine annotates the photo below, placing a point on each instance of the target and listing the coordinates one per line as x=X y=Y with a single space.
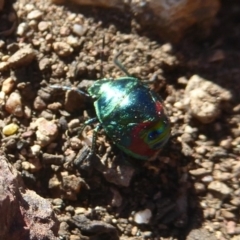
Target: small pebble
x=4 y=66
x=14 y=104
x=2 y=98
x=200 y=172
x=117 y=198
x=63 y=49
x=143 y=217
x=39 y=104
x=75 y=143
x=2 y=43
x=227 y=215
x=182 y=80
x=199 y=187
x=10 y=129
x=47 y=131
x=207 y=179
x=72 y=184
x=73 y=41
x=73 y=124
x=201 y=150
x=54 y=106
x=35 y=149
x=231 y=226
x=5 y=58
x=35 y=14
x=167 y=47
x=22 y=57
x=235 y=201
x=44 y=64
x=80 y=210
x=31 y=166
x=134 y=230
x=54 y=182
x=220 y=188
x=189 y=129
x=8 y=85
x=75 y=237
x=226 y=143
x=43 y=26
x=22 y=27
x=222 y=176
x=179 y=105
x=57 y=202
x=78 y=29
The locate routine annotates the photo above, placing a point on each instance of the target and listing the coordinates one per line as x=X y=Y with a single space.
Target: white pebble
x=35 y=14
x=72 y=41
x=35 y=149
x=78 y=29
x=22 y=27
x=143 y=217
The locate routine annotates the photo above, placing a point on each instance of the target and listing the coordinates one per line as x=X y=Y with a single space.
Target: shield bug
x=132 y=115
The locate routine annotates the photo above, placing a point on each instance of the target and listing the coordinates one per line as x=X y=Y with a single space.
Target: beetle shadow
x=214 y=59
x=159 y=186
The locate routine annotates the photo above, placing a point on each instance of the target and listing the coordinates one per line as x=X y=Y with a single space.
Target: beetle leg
x=66 y=88
x=86 y=123
x=95 y=131
x=94 y=139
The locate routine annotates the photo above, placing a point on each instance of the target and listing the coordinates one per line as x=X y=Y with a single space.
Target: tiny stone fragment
x=220 y=188
x=2 y=98
x=47 y=131
x=73 y=101
x=35 y=149
x=199 y=172
x=143 y=217
x=52 y=159
x=43 y=26
x=35 y=14
x=22 y=27
x=71 y=186
x=14 y=104
x=44 y=64
x=39 y=104
x=22 y=57
x=8 y=85
x=62 y=49
x=79 y=29
x=4 y=66
x=10 y=129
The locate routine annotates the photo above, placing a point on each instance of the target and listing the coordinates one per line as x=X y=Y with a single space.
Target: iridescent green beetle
x=132 y=115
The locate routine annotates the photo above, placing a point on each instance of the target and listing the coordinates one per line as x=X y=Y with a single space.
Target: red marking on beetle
x=137 y=143
x=159 y=108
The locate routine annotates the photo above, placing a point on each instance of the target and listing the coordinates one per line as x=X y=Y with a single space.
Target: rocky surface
x=170 y=20
x=191 y=191
x=24 y=214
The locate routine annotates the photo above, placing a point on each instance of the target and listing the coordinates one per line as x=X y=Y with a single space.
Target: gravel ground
x=191 y=191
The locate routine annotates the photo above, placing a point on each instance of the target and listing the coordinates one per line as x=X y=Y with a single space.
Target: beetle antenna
x=103 y=45
x=119 y=64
